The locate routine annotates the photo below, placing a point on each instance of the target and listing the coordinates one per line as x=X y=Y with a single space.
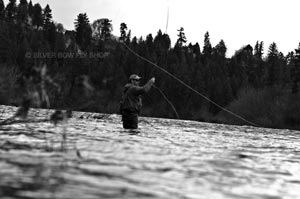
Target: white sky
x=237 y=22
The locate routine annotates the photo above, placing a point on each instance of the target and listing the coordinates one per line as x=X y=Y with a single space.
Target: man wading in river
x=132 y=102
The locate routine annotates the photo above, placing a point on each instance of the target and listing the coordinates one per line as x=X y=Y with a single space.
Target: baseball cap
x=135 y=77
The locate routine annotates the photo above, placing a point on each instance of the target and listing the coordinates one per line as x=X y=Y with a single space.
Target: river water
x=91 y=156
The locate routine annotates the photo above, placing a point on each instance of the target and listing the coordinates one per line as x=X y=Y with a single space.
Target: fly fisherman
x=132 y=102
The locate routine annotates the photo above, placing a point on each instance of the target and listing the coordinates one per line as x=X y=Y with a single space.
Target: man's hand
x=152 y=80
x=149 y=84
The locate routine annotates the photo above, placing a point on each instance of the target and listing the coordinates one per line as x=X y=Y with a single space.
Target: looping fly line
x=189 y=87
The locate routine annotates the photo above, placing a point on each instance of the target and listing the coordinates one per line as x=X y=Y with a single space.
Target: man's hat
x=135 y=77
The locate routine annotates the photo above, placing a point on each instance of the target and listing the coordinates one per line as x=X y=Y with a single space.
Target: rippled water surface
x=165 y=159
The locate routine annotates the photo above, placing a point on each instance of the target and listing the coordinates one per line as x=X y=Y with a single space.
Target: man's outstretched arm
x=139 y=90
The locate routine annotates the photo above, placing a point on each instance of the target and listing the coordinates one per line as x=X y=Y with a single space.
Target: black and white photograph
x=149 y=99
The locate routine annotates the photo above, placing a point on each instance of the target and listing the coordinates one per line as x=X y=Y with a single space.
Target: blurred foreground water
x=165 y=159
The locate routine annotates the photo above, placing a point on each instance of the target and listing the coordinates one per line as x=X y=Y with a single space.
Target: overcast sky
x=237 y=22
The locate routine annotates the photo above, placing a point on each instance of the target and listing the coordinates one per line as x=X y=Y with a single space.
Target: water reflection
x=130 y=131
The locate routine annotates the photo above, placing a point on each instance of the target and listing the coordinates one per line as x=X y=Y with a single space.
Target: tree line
x=86 y=69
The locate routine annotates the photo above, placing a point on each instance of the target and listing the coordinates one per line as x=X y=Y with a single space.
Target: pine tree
x=11 y=9
x=239 y=68
x=123 y=28
x=181 y=37
x=149 y=40
x=2 y=10
x=290 y=58
x=37 y=16
x=273 y=51
x=258 y=49
x=219 y=85
x=166 y=42
x=247 y=61
x=195 y=51
x=207 y=48
x=47 y=17
x=106 y=29
x=161 y=45
x=49 y=26
x=157 y=42
x=282 y=73
x=258 y=65
x=83 y=31
x=295 y=72
x=23 y=11
x=220 y=49
x=30 y=8
x=162 y=41
x=272 y=63
x=150 y=46
x=158 y=37
x=128 y=37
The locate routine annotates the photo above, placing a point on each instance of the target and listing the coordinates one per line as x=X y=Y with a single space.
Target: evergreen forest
x=85 y=69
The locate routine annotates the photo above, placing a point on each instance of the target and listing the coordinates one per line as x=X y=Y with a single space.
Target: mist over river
x=92 y=157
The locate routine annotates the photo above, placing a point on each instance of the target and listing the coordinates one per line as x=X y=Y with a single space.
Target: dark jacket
x=131 y=99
